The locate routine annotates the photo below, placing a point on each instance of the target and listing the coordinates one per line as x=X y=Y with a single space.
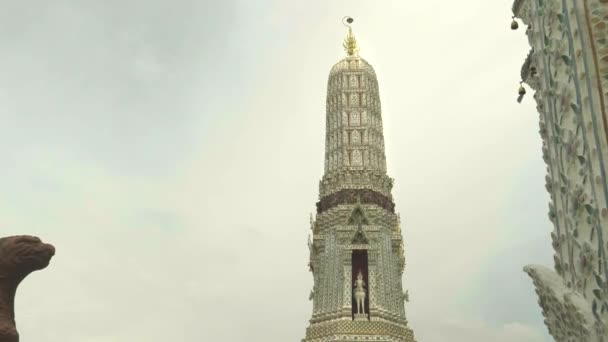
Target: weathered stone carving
x=19 y=256
x=351 y=196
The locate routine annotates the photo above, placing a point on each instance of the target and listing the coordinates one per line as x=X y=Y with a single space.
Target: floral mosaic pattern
x=568 y=69
x=566 y=315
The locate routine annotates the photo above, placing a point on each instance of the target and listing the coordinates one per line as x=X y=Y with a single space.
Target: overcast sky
x=171 y=151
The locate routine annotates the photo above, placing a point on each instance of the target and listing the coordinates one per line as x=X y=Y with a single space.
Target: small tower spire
x=350 y=43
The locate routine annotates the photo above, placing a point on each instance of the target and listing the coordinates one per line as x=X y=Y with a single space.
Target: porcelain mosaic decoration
x=567 y=68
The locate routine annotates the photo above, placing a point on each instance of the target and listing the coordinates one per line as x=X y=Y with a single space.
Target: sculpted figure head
x=19 y=256
x=23 y=254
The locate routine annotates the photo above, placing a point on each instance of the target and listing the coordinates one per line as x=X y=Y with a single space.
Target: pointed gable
x=357 y=216
x=359 y=238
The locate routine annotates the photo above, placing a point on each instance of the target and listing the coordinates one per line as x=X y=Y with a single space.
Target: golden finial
x=350 y=43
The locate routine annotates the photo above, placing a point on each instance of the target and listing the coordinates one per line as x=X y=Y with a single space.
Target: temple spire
x=357 y=291
x=350 y=43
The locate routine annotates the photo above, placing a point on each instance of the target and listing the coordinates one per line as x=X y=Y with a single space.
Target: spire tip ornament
x=350 y=43
x=521 y=92
x=514 y=24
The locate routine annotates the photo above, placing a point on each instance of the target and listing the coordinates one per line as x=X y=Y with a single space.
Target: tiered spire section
x=354 y=142
x=354 y=139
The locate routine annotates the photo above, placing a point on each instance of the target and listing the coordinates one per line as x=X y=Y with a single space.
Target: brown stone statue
x=19 y=256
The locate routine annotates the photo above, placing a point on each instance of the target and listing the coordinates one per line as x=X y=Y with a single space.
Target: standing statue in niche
x=359 y=295
x=19 y=256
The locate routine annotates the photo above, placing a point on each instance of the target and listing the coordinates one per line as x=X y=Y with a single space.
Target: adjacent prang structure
x=567 y=68
x=356 y=249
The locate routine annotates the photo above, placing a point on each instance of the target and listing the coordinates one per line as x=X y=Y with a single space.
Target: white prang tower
x=356 y=253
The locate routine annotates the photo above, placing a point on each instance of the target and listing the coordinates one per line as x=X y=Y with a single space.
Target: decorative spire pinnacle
x=350 y=43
